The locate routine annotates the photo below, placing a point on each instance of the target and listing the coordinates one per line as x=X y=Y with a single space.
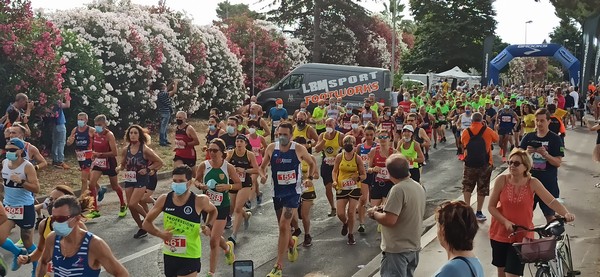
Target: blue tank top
x=135 y=163
x=506 y=120
x=286 y=171
x=14 y=193
x=82 y=139
x=76 y=265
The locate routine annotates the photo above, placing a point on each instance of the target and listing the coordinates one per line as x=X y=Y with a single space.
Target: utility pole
x=394 y=8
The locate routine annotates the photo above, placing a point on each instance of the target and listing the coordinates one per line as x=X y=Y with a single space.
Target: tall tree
x=226 y=10
x=566 y=33
x=448 y=34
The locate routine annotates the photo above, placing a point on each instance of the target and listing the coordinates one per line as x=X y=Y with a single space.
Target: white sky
x=511 y=14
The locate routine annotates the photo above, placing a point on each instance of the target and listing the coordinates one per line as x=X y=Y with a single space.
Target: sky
x=511 y=14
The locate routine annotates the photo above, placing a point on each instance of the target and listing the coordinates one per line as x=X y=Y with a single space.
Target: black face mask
x=367 y=107
x=301 y=123
x=179 y=121
x=348 y=147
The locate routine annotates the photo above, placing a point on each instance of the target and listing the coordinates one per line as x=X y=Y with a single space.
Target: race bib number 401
x=286 y=177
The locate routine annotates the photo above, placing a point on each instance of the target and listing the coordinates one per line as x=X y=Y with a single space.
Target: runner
x=411 y=150
x=377 y=156
x=528 y=120
x=368 y=114
x=104 y=163
x=83 y=136
x=32 y=153
x=259 y=123
x=285 y=156
x=439 y=128
x=399 y=118
x=333 y=110
x=218 y=177
x=214 y=131
x=348 y=172
x=303 y=130
x=363 y=150
x=318 y=116
x=186 y=140
x=135 y=160
x=245 y=164
x=344 y=121
x=505 y=124
x=387 y=121
x=330 y=143
x=307 y=198
x=182 y=211
x=232 y=133
x=20 y=183
x=357 y=131
x=426 y=122
x=303 y=109
x=419 y=134
x=258 y=144
x=73 y=250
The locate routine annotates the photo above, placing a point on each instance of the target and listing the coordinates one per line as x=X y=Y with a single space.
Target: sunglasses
x=383 y=137
x=61 y=218
x=212 y=150
x=514 y=163
x=12 y=150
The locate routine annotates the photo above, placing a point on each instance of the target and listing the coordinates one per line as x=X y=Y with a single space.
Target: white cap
x=408 y=127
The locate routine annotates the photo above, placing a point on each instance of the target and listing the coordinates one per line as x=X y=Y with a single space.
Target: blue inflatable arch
x=556 y=51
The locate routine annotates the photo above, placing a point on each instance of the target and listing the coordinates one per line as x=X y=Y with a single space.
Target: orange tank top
x=516 y=205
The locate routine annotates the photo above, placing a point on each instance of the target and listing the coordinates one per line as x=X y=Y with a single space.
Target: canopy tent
x=455 y=72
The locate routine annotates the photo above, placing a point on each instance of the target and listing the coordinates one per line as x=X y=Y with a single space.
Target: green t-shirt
x=319 y=114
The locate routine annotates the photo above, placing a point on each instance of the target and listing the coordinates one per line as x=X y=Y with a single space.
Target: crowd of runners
x=343 y=144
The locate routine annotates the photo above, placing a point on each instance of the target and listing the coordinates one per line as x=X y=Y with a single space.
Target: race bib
x=83 y=155
x=349 y=184
x=399 y=127
x=276 y=123
x=365 y=160
x=347 y=125
x=101 y=163
x=14 y=213
x=286 y=177
x=256 y=151
x=215 y=197
x=329 y=160
x=242 y=176
x=177 y=245
x=130 y=176
x=506 y=118
x=383 y=174
x=179 y=144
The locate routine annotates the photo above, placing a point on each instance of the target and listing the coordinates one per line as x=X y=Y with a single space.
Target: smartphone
x=244 y=268
x=535 y=144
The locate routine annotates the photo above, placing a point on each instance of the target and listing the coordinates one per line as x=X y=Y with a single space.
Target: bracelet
x=28 y=259
x=230 y=187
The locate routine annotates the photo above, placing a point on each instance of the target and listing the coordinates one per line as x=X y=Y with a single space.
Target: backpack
x=477 y=155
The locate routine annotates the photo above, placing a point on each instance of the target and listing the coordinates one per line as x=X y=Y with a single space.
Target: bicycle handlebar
x=541 y=230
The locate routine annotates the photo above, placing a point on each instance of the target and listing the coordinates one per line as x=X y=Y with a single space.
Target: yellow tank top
x=48 y=227
x=348 y=171
x=300 y=133
x=305 y=176
x=332 y=148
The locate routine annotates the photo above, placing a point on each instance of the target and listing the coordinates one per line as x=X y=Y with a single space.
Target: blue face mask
x=11 y=156
x=230 y=130
x=99 y=129
x=212 y=184
x=62 y=229
x=80 y=123
x=212 y=127
x=179 y=188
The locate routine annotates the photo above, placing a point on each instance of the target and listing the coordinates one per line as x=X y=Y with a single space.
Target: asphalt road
x=329 y=254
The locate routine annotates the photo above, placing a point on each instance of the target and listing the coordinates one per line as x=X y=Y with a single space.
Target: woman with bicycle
x=457 y=227
x=511 y=203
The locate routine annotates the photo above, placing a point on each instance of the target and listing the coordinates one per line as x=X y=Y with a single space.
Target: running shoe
x=232 y=239
x=93 y=214
x=297 y=232
x=461 y=157
x=480 y=216
x=15 y=263
x=259 y=198
x=247 y=220
x=101 y=193
x=332 y=213
x=345 y=229
x=229 y=255
x=20 y=244
x=123 y=211
x=435 y=145
x=293 y=252
x=307 y=241
x=210 y=274
x=275 y=272
x=351 y=240
x=140 y=234
x=248 y=205
x=229 y=222
x=3 y=267
x=378 y=228
x=361 y=228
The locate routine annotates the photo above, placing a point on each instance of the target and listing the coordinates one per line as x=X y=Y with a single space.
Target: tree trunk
x=316 y=47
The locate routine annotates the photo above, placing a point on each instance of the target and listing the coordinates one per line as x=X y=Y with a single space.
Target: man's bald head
x=397 y=166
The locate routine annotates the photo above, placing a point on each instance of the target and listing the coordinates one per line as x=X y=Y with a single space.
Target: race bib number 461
x=176 y=245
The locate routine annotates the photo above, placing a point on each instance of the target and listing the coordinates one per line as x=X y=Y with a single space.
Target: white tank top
x=333 y=113
x=15 y=194
x=465 y=122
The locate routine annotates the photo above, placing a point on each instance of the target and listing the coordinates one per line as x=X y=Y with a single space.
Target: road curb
x=160 y=175
x=428 y=236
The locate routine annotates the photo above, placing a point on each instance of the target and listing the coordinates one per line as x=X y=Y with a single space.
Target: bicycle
x=550 y=253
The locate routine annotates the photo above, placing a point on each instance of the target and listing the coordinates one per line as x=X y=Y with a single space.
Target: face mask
x=62 y=229
x=468 y=111
x=348 y=147
x=354 y=126
x=251 y=130
x=388 y=113
x=99 y=129
x=348 y=110
x=322 y=106
x=212 y=184
x=179 y=121
x=230 y=130
x=332 y=105
x=212 y=127
x=413 y=110
x=408 y=139
x=179 y=188
x=367 y=107
x=506 y=107
x=252 y=103
x=329 y=129
x=301 y=123
x=284 y=140
x=80 y=123
x=11 y=156
x=280 y=106
x=252 y=116
x=303 y=109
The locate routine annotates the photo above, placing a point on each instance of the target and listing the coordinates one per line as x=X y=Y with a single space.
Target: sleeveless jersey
x=465 y=122
x=48 y=228
x=242 y=162
x=297 y=133
x=333 y=113
x=101 y=144
x=399 y=122
x=134 y=163
x=410 y=153
x=210 y=136
x=387 y=125
x=256 y=146
x=185 y=223
x=14 y=194
x=364 y=150
x=332 y=148
x=182 y=149
x=416 y=136
x=259 y=129
x=286 y=171
x=221 y=176
x=76 y=265
x=27 y=155
x=367 y=116
x=379 y=161
x=348 y=171
x=229 y=141
x=426 y=122
x=305 y=173
x=83 y=144
x=346 y=123
x=506 y=120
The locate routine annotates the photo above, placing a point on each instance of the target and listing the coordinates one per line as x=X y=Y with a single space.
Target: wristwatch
x=310 y=178
x=209 y=225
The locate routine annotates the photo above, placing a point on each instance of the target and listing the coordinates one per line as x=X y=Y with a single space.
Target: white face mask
x=354 y=126
x=407 y=139
x=280 y=106
x=251 y=130
x=252 y=103
x=329 y=130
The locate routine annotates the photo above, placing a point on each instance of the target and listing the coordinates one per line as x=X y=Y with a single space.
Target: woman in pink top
x=259 y=144
x=511 y=203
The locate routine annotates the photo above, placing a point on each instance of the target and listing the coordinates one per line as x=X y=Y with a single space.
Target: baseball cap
x=408 y=127
x=279 y=101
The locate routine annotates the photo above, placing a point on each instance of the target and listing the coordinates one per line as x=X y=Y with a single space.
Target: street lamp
x=526 y=23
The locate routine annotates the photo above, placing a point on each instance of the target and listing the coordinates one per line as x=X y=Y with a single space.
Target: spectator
x=477 y=142
x=457 y=227
x=510 y=204
x=59 y=133
x=547 y=151
x=165 y=108
x=277 y=114
x=401 y=220
x=18 y=111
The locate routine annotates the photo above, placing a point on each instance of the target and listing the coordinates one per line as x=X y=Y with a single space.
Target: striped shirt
x=163 y=102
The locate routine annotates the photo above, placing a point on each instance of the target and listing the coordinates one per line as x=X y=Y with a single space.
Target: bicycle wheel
x=543 y=272
x=567 y=259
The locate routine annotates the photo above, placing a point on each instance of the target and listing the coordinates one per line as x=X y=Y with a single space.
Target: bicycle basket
x=536 y=250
